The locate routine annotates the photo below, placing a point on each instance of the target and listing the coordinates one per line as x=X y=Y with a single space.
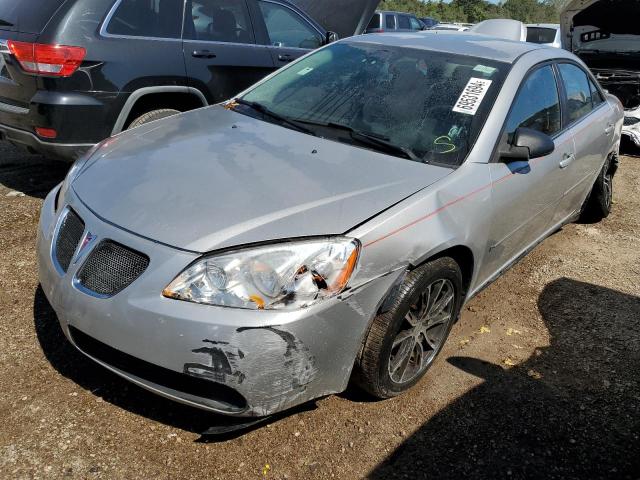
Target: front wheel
x=403 y=342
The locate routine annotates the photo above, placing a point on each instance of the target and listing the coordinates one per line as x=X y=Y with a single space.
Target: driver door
x=220 y=50
x=527 y=194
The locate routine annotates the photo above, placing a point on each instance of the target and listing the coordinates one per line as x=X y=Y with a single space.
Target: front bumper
x=231 y=361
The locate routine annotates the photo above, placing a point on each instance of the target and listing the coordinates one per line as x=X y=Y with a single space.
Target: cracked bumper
x=631 y=127
x=231 y=361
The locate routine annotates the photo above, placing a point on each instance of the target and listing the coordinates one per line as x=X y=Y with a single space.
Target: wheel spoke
x=400 y=361
x=435 y=294
x=437 y=319
x=402 y=336
x=412 y=318
x=419 y=355
x=442 y=303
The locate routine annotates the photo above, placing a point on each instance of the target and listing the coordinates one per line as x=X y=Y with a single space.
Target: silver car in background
x=328 y=223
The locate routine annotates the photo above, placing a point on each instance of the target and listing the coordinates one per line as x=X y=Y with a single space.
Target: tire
x=598 y=204
x=152 y=116
x=377 y=370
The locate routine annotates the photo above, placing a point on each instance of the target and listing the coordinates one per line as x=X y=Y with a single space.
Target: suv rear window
x=541 y=35
x=30 y=16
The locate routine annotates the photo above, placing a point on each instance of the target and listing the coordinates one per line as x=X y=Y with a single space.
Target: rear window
x=541 y=35
x=30 y=16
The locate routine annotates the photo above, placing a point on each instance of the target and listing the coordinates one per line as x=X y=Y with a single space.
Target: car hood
x=214 y=178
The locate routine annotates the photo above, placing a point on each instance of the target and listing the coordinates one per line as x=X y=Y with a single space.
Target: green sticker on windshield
x=484 y=69
x=304 y=71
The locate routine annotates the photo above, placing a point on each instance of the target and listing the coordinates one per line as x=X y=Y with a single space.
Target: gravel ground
x=540 y=379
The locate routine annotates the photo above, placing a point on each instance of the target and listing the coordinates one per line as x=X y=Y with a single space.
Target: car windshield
x=541 y=35
x=418 y=104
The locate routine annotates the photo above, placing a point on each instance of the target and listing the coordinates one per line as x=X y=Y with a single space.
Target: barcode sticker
x=472 y=96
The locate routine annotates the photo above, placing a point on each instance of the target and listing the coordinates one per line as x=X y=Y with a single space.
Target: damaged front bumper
x=631 y=126
x=231 y=361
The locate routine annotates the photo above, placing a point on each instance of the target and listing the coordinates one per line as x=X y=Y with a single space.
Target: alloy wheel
x=423 y=331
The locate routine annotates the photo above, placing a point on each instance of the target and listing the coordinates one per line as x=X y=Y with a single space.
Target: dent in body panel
x=269 y=365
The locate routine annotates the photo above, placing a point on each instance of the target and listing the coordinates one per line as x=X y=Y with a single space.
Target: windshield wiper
x=258 y=107
x=370 y=139
x=4 y=23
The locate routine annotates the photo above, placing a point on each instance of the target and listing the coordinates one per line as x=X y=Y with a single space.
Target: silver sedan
x=329 y=223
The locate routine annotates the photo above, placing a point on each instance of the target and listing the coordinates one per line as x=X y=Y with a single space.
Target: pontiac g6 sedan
x=328 y=223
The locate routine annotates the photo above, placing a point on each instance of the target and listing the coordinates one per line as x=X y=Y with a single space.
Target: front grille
x=69 y=235
x=164 y=377
x=110 y=268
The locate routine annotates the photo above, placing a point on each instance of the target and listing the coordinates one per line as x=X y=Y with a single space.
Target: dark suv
x=74 y=72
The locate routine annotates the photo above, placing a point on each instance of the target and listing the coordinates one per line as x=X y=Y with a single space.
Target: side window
x=415 y=24
x=390 y=22
x=375 y=22
x=596 y=96
x=147 y=18
x=537 y=105
x=218 y=21
x=403 y=22
x=576 y=84
x=288 y=29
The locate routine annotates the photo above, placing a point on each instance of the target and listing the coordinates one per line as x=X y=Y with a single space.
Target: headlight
x=282 y=276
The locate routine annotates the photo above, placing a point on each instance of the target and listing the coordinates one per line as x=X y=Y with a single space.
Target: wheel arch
x=193 y=97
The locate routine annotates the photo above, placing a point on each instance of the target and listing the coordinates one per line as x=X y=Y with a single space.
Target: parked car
x=330 y=221
x=394 y=22
x=505 y=28
x=429 y=22
x=545 y=34
x=74 y=72
x=455 y=27
x=605 y=34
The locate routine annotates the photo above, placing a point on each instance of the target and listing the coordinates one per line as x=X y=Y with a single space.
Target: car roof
x=463 y=43
x=396 y=12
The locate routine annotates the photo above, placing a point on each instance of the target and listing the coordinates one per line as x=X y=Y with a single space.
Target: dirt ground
x=540 y=379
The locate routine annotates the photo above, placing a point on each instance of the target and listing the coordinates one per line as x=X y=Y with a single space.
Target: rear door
x=404 y=23
x=526 y=194
x=588 y=118
x=220 y=49
x=288 y=34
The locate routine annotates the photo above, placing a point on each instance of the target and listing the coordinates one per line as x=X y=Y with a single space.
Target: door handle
x=609 y=129
x=285 y=57
x=567 y=158
x=203 y=54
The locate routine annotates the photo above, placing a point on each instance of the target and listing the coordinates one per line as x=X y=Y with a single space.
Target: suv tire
x=152 y=116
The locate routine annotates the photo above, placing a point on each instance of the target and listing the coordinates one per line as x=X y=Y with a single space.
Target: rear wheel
x=598 y=204
x=403 y=342
x=152 y=116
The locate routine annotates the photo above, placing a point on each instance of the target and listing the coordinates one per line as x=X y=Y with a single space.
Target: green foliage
x=473 y=11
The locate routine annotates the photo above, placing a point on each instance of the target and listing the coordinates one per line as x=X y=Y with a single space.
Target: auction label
x=472 y=96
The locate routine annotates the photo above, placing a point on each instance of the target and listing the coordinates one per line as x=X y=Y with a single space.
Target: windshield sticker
x=304 y=71
x=472 y=96
x=484 y=69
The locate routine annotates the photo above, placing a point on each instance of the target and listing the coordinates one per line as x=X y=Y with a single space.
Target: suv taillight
x=52 y=60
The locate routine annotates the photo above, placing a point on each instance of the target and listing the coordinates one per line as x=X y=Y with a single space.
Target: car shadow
x=73 y=365
x=572 y=410
x=32 y=175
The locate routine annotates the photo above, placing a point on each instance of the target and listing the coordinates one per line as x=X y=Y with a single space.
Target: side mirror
x=526 y=145
x=331 y=37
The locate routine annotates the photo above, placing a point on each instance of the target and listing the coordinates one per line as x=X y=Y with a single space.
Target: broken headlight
x=281 y=276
